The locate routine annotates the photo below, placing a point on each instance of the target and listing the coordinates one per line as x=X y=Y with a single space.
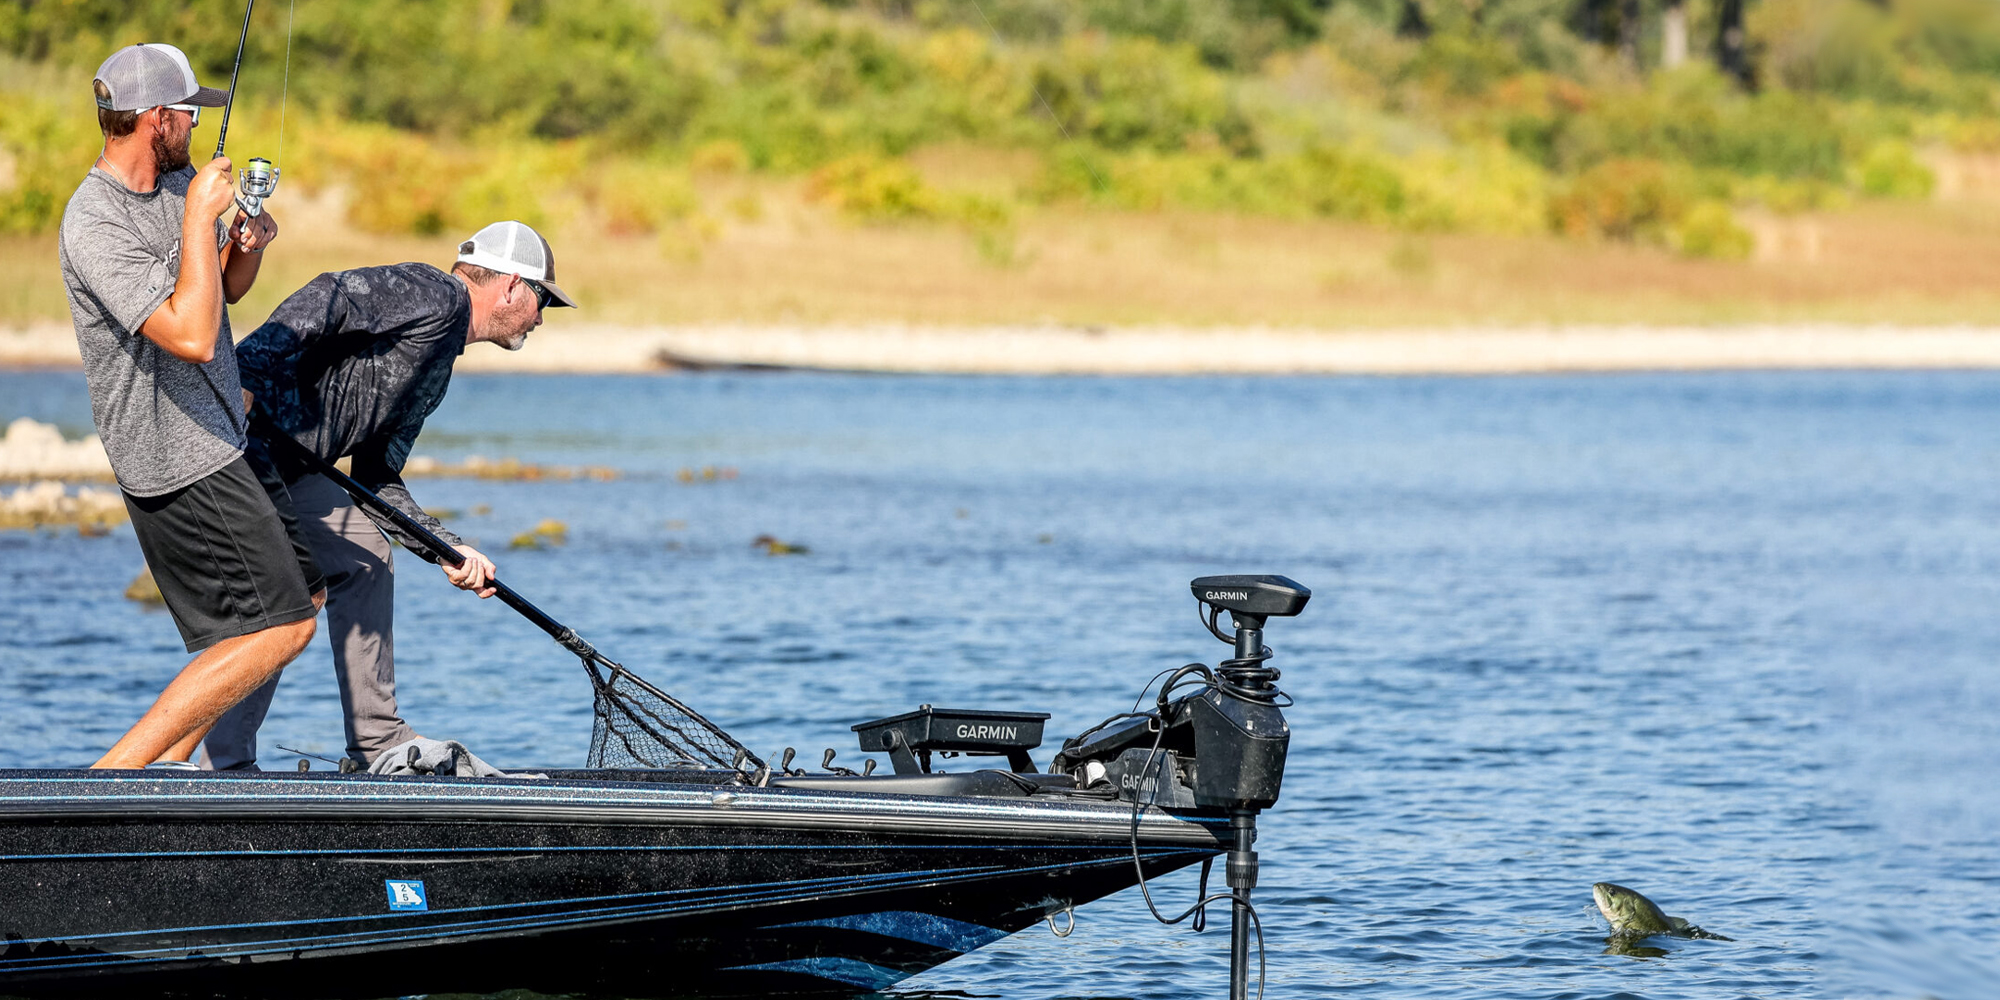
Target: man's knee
x=296 y=635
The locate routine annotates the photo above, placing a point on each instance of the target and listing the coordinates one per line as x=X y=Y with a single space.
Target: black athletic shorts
x=222 y=557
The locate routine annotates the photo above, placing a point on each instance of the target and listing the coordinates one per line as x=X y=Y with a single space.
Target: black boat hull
x=309 y=885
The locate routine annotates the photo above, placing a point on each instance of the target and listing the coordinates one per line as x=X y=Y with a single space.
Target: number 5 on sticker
x=406 y=894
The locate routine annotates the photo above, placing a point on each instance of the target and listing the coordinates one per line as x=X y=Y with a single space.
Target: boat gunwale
x=607 y=803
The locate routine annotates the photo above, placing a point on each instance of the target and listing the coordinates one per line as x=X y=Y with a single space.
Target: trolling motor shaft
x=1241 y=737
x=1241 y=877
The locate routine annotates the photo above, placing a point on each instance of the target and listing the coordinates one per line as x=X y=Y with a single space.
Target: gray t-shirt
x=165 y=422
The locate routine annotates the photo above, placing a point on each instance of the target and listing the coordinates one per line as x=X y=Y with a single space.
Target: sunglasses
x=542 y=295
x=193 y=112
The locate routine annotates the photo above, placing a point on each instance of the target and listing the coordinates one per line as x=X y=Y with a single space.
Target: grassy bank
x=798 y=262
x=1296 y=162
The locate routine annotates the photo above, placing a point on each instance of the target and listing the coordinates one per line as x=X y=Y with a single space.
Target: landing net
x=639 y=725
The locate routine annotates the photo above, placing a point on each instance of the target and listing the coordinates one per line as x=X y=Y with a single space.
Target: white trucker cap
x=515 y=248
x=149 y=75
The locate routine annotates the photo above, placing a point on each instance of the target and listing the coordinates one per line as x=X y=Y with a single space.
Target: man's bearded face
x=170 y=141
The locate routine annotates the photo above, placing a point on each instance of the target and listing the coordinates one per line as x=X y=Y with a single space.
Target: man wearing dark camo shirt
x=350 y=366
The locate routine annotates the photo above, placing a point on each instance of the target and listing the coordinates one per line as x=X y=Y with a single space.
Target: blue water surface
x=1727 y=639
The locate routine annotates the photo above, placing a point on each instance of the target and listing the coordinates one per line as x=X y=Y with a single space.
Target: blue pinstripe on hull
x=362 y=940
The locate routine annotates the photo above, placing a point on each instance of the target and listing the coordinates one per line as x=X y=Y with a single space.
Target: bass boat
x=678 y=863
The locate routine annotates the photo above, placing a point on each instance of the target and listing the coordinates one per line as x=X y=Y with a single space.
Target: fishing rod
x=259 y=178
x=222 y=134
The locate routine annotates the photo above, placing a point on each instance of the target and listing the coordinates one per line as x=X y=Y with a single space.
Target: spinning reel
x=258 y=181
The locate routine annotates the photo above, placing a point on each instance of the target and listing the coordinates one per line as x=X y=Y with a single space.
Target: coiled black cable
x=1244 y=678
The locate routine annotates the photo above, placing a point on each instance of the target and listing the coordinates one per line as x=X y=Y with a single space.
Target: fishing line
x=285 y=100
x=307 y=753
x=998 y=42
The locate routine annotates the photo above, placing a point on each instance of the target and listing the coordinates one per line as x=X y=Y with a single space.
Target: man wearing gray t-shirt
x=148 y=269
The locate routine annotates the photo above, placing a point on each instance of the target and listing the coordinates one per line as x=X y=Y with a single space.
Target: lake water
x=1727 y=639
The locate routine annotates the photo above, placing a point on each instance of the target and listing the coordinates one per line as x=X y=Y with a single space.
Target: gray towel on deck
x=449 y=758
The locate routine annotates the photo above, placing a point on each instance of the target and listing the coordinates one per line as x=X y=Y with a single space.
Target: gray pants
x=359 y=567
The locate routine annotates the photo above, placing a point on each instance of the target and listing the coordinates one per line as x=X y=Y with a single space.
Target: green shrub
x=47 y=148
x=876 y=190
x=1834 y=46
x=1500 y=118
x=1709 y=229
x=1621 y=199
x=1961 y=35
x=635 y=198
x=1890 y=169
x=873 y=189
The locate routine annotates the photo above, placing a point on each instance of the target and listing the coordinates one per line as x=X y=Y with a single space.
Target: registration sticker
x=406 y=894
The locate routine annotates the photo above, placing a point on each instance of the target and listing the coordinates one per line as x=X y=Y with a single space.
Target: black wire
x=1143 y=690
x=1257 y=924
x=1136 y=863
x=1201 y=903
x=1080 y=738
x=1201 y=889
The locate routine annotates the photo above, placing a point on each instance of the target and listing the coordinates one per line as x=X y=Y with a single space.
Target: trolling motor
x=1240 y=735
x=1220 y=749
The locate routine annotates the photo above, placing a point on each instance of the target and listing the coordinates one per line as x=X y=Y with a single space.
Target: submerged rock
x=773 y=547
x=49 y=504
x=549 y=532
x=508 y=469
x=143 y=589
x=705 y=474
x=34 y=450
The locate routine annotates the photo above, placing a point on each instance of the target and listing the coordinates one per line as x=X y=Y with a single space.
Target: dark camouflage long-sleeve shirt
x=351 y=365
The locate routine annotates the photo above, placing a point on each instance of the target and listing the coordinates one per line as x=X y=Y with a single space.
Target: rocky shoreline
x=1066 y=350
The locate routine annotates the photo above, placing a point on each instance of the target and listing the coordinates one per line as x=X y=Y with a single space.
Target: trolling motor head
x=257 y=181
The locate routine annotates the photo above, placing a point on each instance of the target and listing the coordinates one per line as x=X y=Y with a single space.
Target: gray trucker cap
x=515 y=248
x=149 y=75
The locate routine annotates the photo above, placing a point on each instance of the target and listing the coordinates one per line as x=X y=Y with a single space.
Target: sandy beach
x=1056 y=350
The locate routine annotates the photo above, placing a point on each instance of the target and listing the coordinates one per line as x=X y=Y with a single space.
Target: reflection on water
x=1728 y=637
x=1632 y=947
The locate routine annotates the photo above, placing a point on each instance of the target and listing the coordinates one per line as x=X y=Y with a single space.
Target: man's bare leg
x=184 y=750
x=186 y=747
x=204 y=689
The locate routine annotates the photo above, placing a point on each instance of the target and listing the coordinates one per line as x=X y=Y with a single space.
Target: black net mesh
x=639 y=725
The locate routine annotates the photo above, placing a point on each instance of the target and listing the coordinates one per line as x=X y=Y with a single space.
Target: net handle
x=438 y=547
x=561 y=633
